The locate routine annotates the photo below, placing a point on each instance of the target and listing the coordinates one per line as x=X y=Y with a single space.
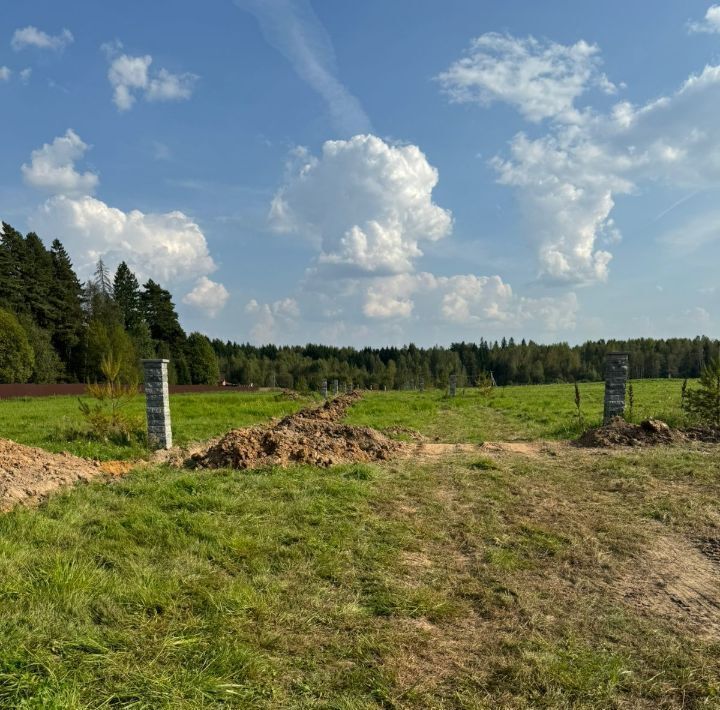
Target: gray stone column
x=336 y=386
x=157 y=403
x=324 y=389
x=453 y=385
x=421 y=384
x=616 y=374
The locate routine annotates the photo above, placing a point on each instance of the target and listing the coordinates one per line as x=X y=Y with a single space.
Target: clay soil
x=651 y=432
x=312 y=436
x=29 y=475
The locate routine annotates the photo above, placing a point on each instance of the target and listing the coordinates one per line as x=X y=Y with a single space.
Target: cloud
x=5 y=73
x=291 y=27
x=130 y=76
x=710 y=24
x=33 y=37
x=364 y=203
x=166 y=246
x=541 y=79
x=366 y=206
x=52 y=167
x=25 y=75
x=465 y=299
x=569 y=179
x=268 y=317
x=207 y=296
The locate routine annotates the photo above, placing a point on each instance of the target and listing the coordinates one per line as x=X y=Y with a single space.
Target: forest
x=55 y=328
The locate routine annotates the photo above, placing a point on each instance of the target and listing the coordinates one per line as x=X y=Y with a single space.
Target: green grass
x=43 y=421
x=510 y=413
x=477 y=580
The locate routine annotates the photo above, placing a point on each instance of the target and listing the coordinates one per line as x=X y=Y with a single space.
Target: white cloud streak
x=294 y=30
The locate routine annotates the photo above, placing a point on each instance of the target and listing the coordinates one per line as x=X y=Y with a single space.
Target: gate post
x=616 y=374
x=157 y=404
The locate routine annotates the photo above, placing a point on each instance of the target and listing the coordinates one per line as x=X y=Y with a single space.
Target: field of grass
x=551 y=577
x=42 y=421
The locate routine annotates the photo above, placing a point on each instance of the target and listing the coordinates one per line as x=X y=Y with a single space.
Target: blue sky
x=378 y=172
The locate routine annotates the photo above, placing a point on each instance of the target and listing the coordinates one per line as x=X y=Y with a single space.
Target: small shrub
x=704 y=403
x=105 y=418
x=631 y=401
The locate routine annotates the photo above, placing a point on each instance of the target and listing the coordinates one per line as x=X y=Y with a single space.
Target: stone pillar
x=157 y=399
x=453 y=385
x=421 y=384
x=324 y=389
x=336 y=386
x=616 y=374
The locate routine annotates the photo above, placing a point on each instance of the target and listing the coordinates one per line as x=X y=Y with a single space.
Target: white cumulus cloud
x=131 y=76
x=52 y=167
x=166 y=246
x=568 y=180
x=465 y=299
x=208 y=296
x=365 y=203
x=541 y=79
x=33 y=37
x=710 y=23
x=5 y=73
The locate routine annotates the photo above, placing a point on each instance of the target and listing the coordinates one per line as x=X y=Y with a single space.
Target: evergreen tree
x=126 y=292
x=65 y=300
x=159 y=313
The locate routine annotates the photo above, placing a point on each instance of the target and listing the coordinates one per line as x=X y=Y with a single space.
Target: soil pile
x=28 y=475
x=651 y=432
x=312 y=436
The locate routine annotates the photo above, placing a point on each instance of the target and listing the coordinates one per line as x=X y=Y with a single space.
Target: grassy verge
x=461 y=583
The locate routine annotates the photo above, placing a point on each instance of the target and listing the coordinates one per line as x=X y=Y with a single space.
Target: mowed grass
x=43 y=421
x=467 y=580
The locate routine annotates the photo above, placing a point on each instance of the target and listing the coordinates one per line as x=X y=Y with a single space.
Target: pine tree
x=160 y=314
x=704 y=403
x=12 y=257
x=37 y=274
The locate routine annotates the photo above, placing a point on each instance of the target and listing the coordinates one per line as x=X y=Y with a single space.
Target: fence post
x=157 y=404
x=616 y=374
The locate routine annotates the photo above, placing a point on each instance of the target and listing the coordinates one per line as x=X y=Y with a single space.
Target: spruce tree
x=66 y=303
x=202 y=361
x=126 y=292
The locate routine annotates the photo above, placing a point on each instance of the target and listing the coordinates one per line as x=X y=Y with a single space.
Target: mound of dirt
x=651 y=432
x=313 y=436
x=28 y=475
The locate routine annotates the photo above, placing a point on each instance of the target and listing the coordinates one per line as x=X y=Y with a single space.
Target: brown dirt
x=312 y=436
x=678 y=581
x=28 y=475
x=651 y=432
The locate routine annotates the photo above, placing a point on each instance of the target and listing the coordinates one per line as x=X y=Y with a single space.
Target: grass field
x=536 y=576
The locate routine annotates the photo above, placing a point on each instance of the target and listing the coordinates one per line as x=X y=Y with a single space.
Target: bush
x=704 y=403
x=106 y=419
x=16 y=355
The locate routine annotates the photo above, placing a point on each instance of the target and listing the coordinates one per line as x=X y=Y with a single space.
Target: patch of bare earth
x=28 y=475
x=651 y=432
x=313 y=436
x=678 y=581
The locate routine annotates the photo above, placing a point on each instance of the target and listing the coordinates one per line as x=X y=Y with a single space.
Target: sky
x=382 y=172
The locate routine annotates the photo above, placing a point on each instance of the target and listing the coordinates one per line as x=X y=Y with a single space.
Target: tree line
x=55 y=328
x=507 y=362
